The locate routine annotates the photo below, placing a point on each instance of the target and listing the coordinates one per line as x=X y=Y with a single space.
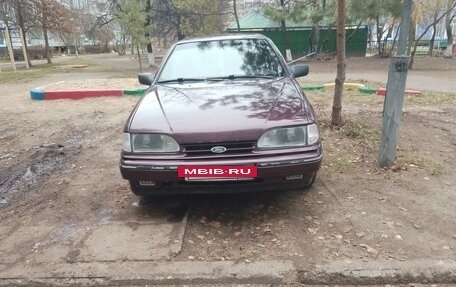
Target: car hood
x=220 y=111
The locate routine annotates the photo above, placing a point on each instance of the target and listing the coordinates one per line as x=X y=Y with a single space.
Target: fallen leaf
x=369 y=249
x=347 y=230
x=312 y=230
x=267 y=230
x=360 y=234
x=215 y=224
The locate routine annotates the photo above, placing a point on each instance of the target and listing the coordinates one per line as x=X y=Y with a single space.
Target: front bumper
x=279 y=172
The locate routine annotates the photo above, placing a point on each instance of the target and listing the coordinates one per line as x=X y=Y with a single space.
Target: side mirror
x=146 y=79
x=299 y=70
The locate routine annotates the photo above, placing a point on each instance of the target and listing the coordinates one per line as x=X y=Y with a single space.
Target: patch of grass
x=355 y=130
x=38 y=71
x=408 y=160
x=352 y=96
x=322 y=99
x=338 y=163
x=431 y=98
x=22 y=75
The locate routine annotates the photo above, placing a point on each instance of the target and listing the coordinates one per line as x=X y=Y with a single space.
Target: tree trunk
x=379 y=37
x=20 y=20
x=449 y=31
x=150 y=52
x=411 y=37
x=46 y=43
x=336 y=116
x=139 y=57
x=393 y=45
x=284 y=31
x=434 y=31
x=236 y=15
x=314 y=38
x=220 y=18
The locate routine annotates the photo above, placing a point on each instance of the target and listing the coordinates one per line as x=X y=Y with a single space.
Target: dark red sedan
x=222 y=114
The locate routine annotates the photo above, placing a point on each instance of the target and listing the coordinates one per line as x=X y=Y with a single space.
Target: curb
x=134 y=92
x=381 y=272
x=151 y=273
x=382 y=92
x=313 y=88
x=128 y=273
x=349 y=86
x=38 y=94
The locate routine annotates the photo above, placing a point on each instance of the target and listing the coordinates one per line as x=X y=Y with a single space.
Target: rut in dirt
x=29 y=170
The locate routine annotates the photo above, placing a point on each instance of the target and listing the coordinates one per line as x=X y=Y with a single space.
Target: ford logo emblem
x=218 y=149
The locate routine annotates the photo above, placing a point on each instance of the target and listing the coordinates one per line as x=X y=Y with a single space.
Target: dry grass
x=39 y=71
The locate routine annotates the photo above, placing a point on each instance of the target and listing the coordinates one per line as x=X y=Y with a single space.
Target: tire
x=311 y=181
x=135 y=189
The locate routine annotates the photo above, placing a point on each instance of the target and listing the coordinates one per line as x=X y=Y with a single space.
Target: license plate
x=199 y=179
x=192 y=172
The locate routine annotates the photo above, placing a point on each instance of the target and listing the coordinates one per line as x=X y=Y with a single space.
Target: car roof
x=223 y=37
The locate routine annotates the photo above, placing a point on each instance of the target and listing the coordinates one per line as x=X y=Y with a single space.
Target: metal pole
x=24 y=51
x=10 y=47
x=394 y=99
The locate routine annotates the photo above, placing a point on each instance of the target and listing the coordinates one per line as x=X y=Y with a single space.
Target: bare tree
x=49 y=15
x=434 y=21
x=449 y=31
x=336 y=116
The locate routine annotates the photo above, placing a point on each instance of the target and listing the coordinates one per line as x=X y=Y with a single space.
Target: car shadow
x=229 y=208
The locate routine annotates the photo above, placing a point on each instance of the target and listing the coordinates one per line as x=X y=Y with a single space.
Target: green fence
x=299 y=40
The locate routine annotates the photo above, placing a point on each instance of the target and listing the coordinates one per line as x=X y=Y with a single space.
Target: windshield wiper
x=232 y=77
x=181 y=80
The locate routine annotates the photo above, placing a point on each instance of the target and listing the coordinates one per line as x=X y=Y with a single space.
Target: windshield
x=225 y=58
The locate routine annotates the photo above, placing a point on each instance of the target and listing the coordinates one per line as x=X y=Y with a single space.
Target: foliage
x=183 y=18
x=315 y=11
x=131 y=15
x=384 y=14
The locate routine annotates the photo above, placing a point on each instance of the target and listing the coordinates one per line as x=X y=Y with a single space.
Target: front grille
x=231 y=148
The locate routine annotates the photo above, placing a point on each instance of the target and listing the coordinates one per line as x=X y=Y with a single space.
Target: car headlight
x=149 y=143
x=289 y=137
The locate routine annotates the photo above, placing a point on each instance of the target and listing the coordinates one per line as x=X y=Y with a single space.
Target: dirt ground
x=62 y=198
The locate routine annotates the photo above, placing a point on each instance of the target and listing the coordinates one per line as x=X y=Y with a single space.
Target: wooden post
x=10 y=47
x=24 y=50
x=395 y=89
